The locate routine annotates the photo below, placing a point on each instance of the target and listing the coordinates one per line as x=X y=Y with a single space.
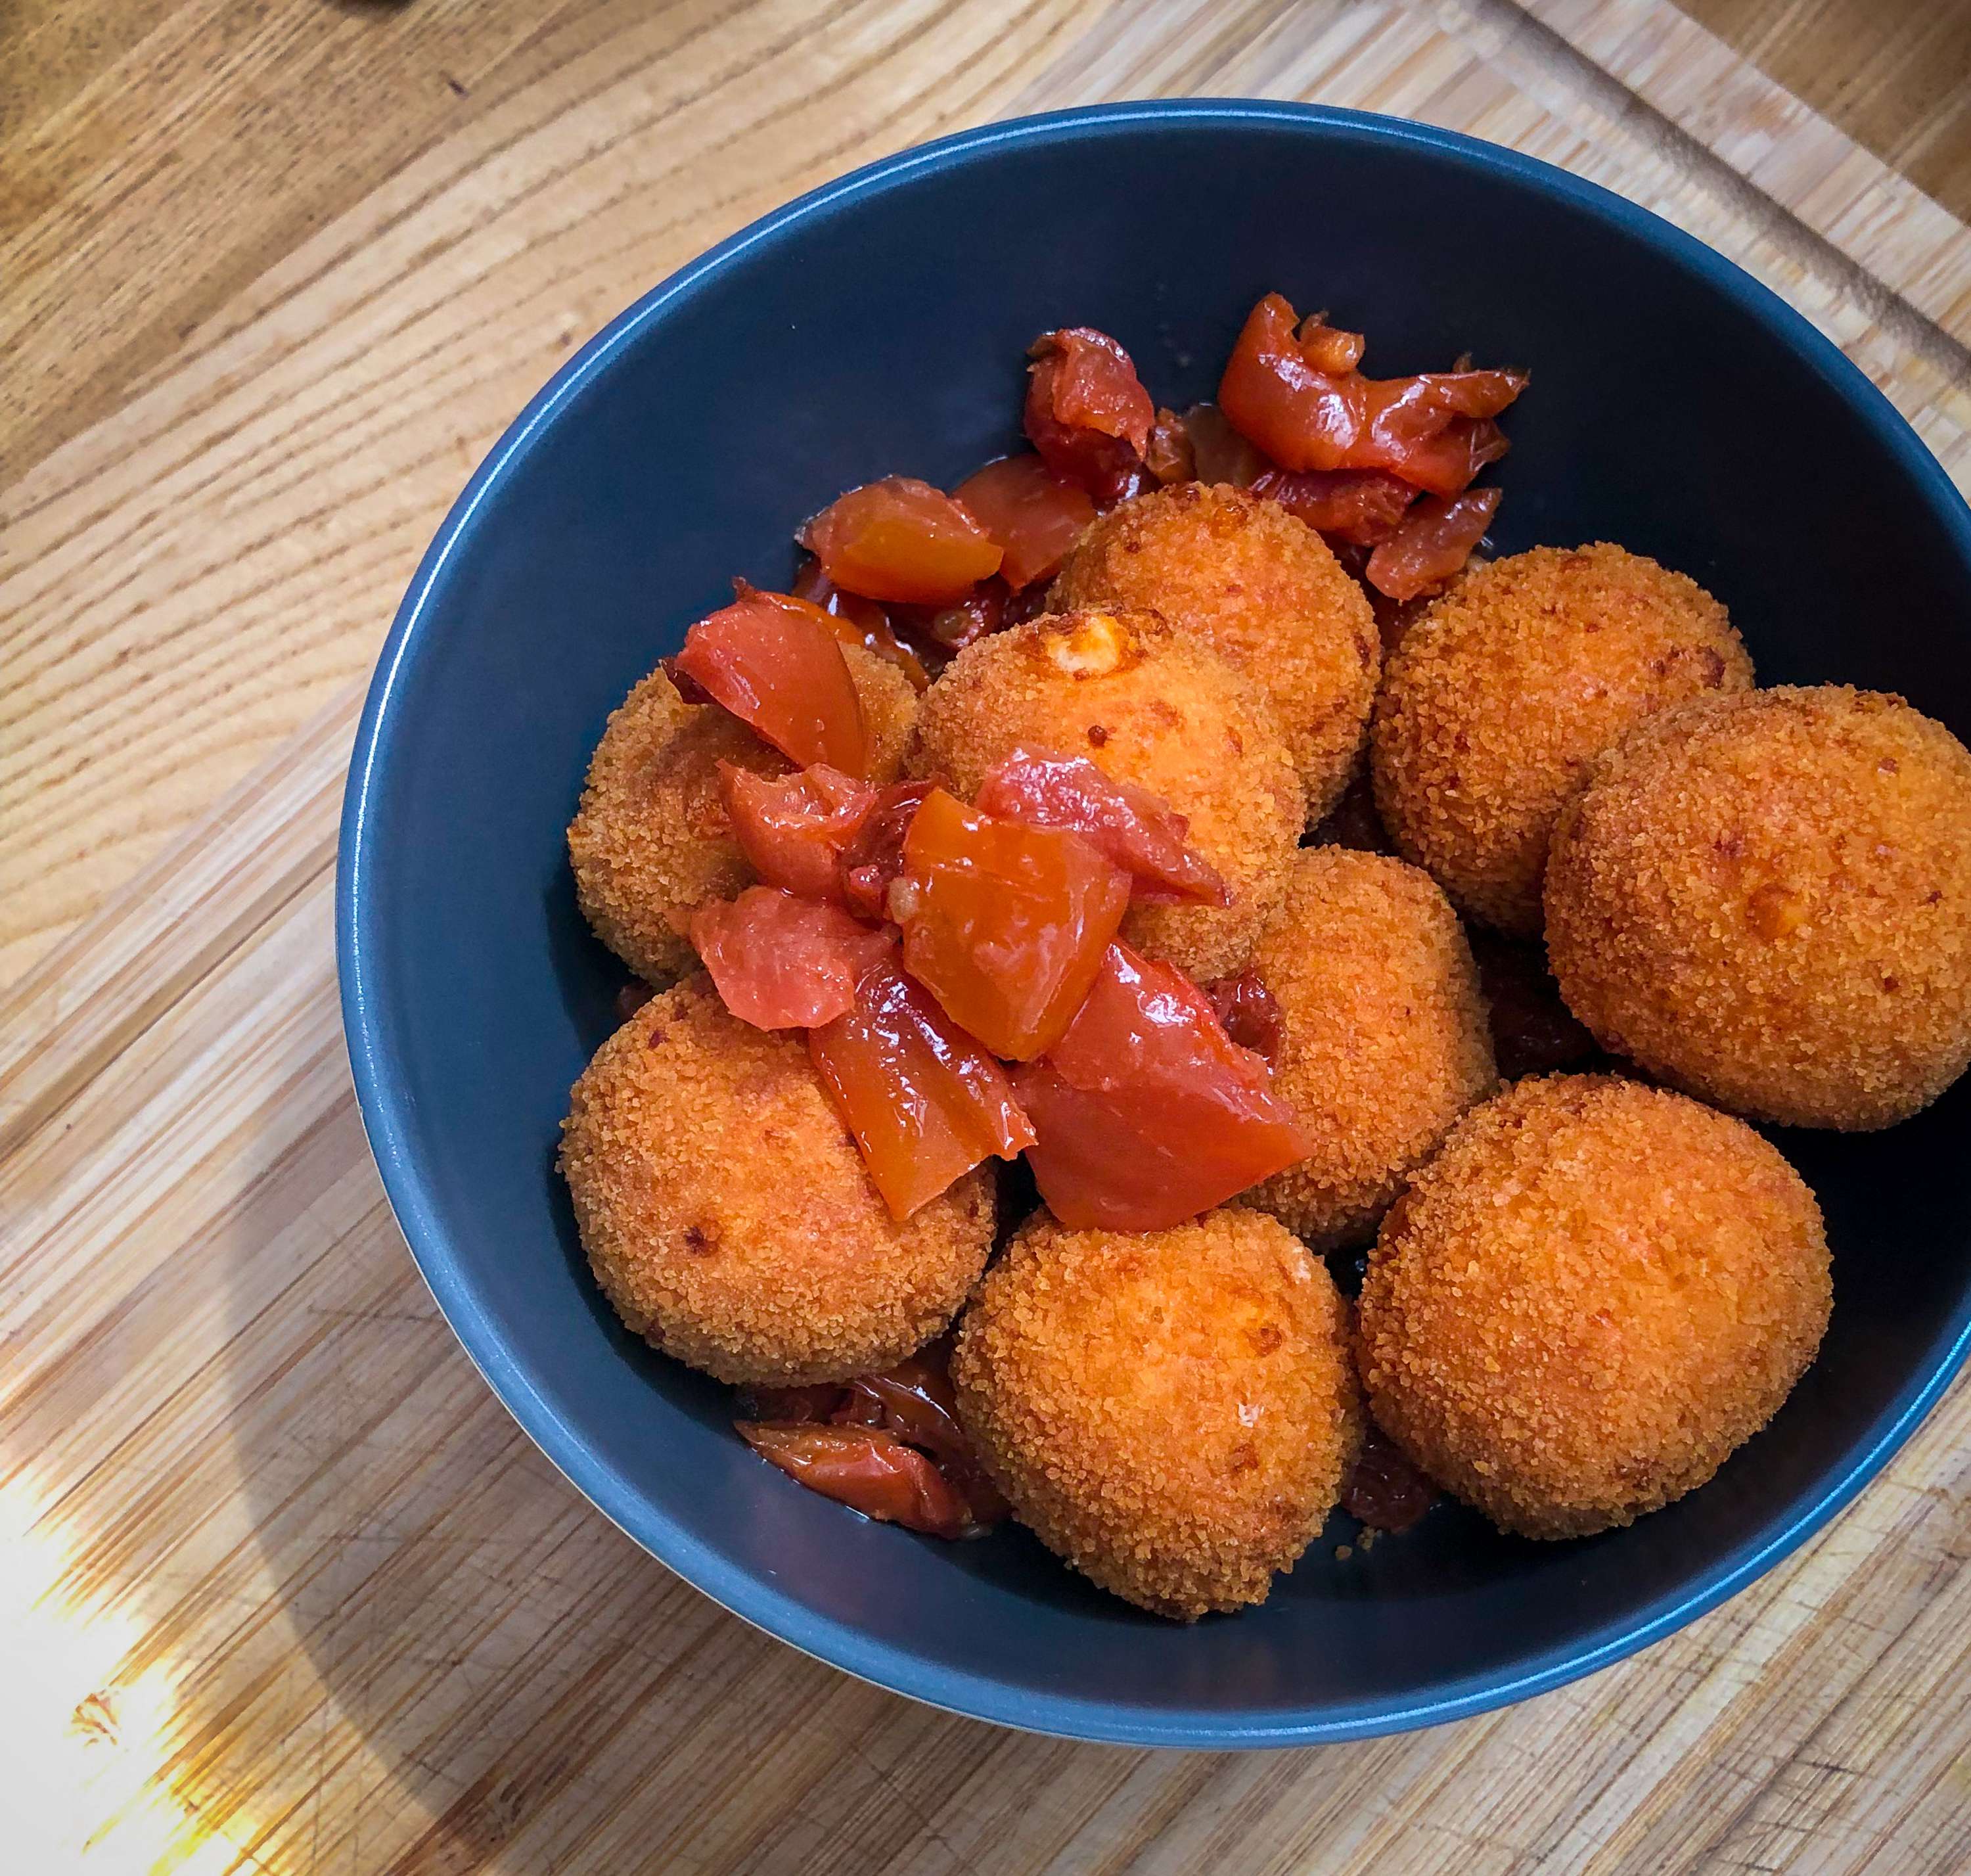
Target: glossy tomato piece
x=1276 y=396
x=1360 y=507
x=924 y=1100
x=1086 y=411
x=951 y=628
x=1436 y=429
x=1004 y=924
x=782 y=962
x=1169 y=455
x=1250 y=1012
x=1147 y=1112
x=915 y=1401
x=1135 y=829
x=1034 y=515
x=1434 y=542
x=875 y=855
x=867 y=1469
x=901 y=540
x=794 y=828
x=1383 y=1490
x=1328 y=348
x=860 y=622
x=774 y=661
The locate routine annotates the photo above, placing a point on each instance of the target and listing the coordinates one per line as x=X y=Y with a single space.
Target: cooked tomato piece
x=875 y=856
x=1434 y=542
x=1087 y=413
x=901 y=540
x=775 y=663
x=795 y=828
x=1135 y=829
x=951 y=628
x=1219 y=453
x=1276 y=396
x=782 y=963
x=1168 y=455
x=1250 y=1012
x=1004 y=924
x=867 y=1469
x=1328 y=348
x=1033 y=514
x=925 y=1102
x=860 y=622
x=1360 y=507
x=915 y=1400
x=1147 y=1112
x=1383 y=1490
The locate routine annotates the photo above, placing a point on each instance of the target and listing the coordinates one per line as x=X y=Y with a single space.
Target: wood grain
x=325 y=1606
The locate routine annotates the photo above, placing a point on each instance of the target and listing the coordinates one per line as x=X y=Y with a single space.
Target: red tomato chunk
x=1302 y=415
x=1434 y=542
x=1147 y=1113
x=1033 y=514
x=1250 y=1012
x=924 y=1100
x=775 y=663
x=1005 y=925
x=795 y=829
x=875 y=855
x=1361 y=507
x=859 y=621
x=782 y=962
x=901 y=540
x=864 y=1467
x=1087 y=413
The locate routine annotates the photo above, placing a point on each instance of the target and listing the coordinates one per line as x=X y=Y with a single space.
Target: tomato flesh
x=794 y=828
x=860 y=622
x=924 y=1100
x=1146 y=1112
x=1169 y=455
x=1034 y=515
x=874 y=856
x=901 y=540
x=1134 y=829
x=1250 y=1012
x=1360 y=507
x=775 y=663
x=1086 y=411
x=782 y=962
x=1275 y=396
x=1005 y=925
x=867 y=1469
x=1435 y=541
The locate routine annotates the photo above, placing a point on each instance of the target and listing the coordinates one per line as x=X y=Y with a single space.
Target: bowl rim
x=385 y=1121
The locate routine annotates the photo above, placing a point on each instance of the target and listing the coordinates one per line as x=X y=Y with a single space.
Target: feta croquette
x=1766 y=900
x=1265 y=591
x=1173 y=1413
x=1146 y=705
x=1385 y=1041
x=729 y=1216
x=1500 y=697
x=650 y=843
x=1594 y=1294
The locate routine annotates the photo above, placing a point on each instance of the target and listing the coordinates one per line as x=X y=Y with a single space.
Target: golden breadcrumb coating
x=1766 y=900
x=650 y=843
x=726 y=1213
x=1500 y=697
x=1595 y=1294
x=1386 y=1042
x=1147 y=705
x=1265 y=591
x=1172 y=1412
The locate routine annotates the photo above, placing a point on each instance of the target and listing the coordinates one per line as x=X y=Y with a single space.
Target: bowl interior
x=1674 y=408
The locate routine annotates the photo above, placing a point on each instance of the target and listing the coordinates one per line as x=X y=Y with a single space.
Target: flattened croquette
x=650 y=844
x=1385 y=1042
x=1500 y=697
x=1767 y=900
x=1595 y=1294
x=1265 y=591
x=728 y=1214
x=1149 y=706
x=1173 y=1413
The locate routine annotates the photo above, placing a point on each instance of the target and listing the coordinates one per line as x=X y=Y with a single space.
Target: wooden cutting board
x=281 y=1588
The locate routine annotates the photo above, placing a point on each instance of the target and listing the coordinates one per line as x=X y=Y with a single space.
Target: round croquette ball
x=1594 y=1294
x=1385 y=1040
x=1265 y=591
x=1147 y=705
x=726 y=1213
x=1500 y=697
x=1172 y=1412
x=650 y=842
x=1766 y=900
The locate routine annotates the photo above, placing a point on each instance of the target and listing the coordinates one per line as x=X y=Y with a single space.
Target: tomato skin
x=901 y=540
x=925 y=1102
x=1273 y=394
x=782 y=962
x=860 y=622
x=867 y=1469
x=1147 y=1113
x=1033 y=514
x=775 y=663
x=794 y=828
x=875 y=856
x=1086 y=411
x=1004 y=924
x=1360 y=507
x=1435 y=541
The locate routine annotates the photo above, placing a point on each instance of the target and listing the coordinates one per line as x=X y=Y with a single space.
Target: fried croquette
x=1173 y=1413
x=1146 y=705
x=728 y=1214
x=650 y=843
x=1766 y=900
x=1265 y=591
x=1500 y=697
x=1594 y=1294
x=1386 y=1041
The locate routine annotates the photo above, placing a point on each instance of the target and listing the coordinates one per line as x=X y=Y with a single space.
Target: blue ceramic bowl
x=877 y=327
